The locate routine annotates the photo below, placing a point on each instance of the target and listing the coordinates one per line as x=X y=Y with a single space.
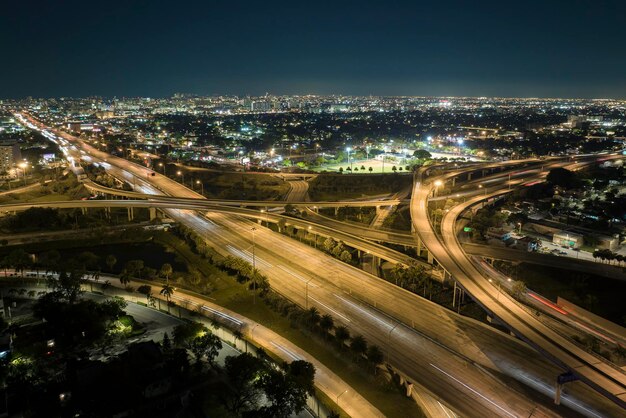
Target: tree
x=303 y=374
x=326 y=323
x=562 y=177
x=394 y=168
x=206 y=345
x=184 y=334
x=241 y=394
x=167 y=291
x=89 y=260
x=19 y=260
x=124 y=277
x=111 y=261
x=67 y=285
x=286 y=393
x=339 y=248
x=375 y=355
x=371 y=169
x=519 y=288
x=342 y=334
x=134 y=267
x=50 y=261
x=340 y=170
x=358 y=346
x=166 y=271
x=166 y=343
x=313 y=317
x=329 y=244
x=345 y=256
x=422 y=154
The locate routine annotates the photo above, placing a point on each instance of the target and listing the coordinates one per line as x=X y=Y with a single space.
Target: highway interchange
x=471 y=367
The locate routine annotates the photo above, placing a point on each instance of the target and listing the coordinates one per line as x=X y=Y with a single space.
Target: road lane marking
x=474 y=391
x=563 y=397
x=358 y=308
x=248 y=257
x=445 y=410
x=222 y=315
x=330 y=309
x=286 y=351
x=297 y=276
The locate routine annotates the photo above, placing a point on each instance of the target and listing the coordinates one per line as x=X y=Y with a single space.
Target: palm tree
x=342 y=334
x=167 y=291
x=326 y=324
x=124 y=277
x=111 y=261
x=313 y=317
x=95 y=276
x=375 y=355
x=105 y=285
x=166 y=271
x=358 y=345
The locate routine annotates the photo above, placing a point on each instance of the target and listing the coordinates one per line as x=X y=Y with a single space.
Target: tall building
x=9 y=155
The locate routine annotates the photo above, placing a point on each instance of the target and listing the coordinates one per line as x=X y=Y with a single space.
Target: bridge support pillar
x=107 y=212
x=453 y=181
x=560 y=381
x=469 y=176
x=431 y=259
x=409 y=389
x=153 y=213
x=484 y=172
x=336 y=210
x=130 y=214
x=557 y=394
x=84 y=210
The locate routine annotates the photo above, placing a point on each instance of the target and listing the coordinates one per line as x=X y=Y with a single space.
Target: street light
x=253 y=268
x=438 y=184
x=348 y=149
x=310 y=228
x=306 y=294
x=23 y=166
x=162 y=165
x=201 y=186
x=339 y=396
x=180 y=173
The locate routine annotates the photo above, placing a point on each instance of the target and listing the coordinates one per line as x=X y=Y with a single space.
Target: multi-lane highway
x=471 y=367
x=447 y=250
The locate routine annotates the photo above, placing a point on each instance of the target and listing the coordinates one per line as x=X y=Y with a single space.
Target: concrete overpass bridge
x=445 y=250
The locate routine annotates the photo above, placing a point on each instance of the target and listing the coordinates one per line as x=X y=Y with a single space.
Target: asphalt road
x=450 y=255
x=445 y=351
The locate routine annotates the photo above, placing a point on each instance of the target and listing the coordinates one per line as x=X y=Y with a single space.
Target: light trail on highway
x=462 y=337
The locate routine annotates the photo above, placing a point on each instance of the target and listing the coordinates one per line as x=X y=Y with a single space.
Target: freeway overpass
x=453 y=355
x=376 y=250
x=254 y=203
x=447 y=251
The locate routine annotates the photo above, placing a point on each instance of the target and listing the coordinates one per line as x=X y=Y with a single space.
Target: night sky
x=547 y=48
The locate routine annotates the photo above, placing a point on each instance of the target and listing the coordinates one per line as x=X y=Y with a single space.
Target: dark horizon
x=564 y=49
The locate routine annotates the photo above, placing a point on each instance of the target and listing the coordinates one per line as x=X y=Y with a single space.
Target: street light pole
x=201 y=186
x=306 y=294
x=253 y=268
x=339 y=396
x=389 y=338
